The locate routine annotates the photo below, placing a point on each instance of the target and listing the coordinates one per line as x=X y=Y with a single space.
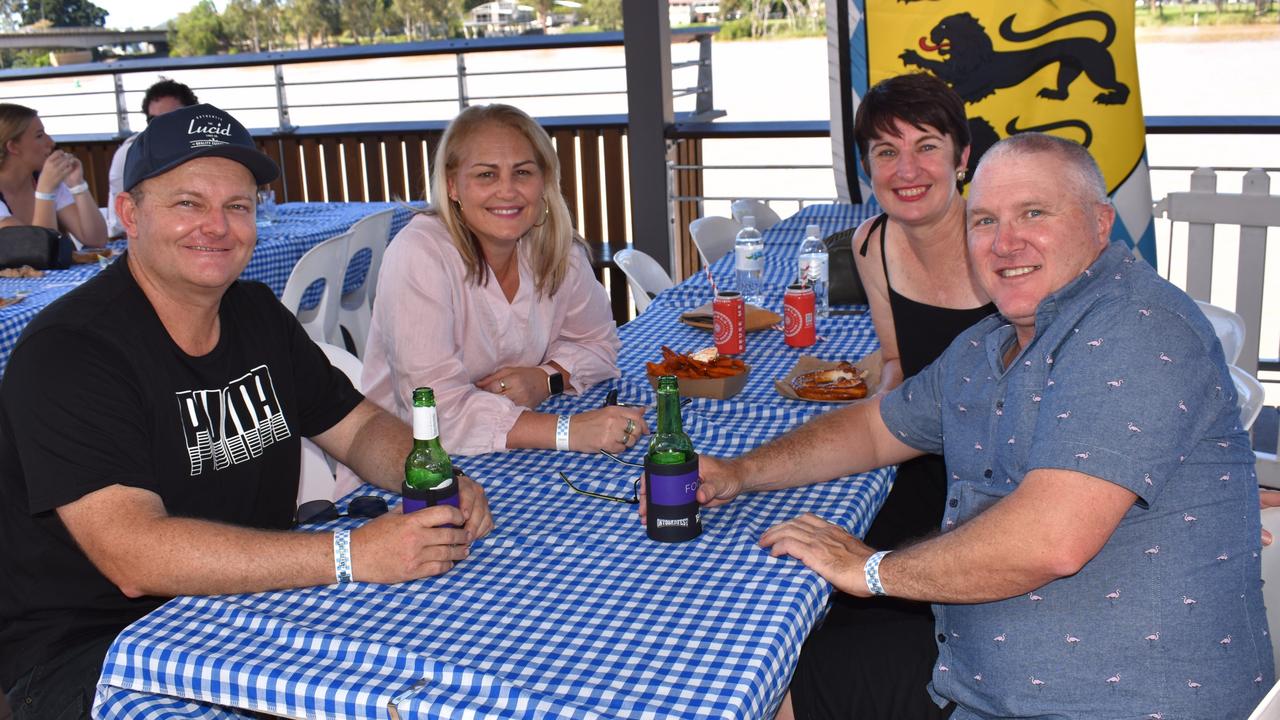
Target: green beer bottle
x=671 y=473
x=428 y=472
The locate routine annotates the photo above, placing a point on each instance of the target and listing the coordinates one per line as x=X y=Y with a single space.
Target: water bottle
x=748 y=252
x=814 y=268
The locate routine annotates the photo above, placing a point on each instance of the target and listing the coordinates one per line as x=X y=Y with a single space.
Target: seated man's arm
x=129 y=537
x=374 y=443
x=1048 y=528
x=849 y=440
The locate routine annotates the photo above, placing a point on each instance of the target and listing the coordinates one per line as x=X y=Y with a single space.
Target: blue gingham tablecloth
x=299 y=227
x=566 y=610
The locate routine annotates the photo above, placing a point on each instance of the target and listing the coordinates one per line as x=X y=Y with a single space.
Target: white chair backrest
x=644 y=275
x=316 y=479
x=1251 y=394
x=764 y=215
x=1229 y=327
x=326 y=262
x=714 y=236
x=356 y=309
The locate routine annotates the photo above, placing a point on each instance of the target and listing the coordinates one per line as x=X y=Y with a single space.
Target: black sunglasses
x=317 y=511
x=635 y=486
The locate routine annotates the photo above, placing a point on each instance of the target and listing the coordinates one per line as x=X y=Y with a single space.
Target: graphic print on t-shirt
x=232 y=424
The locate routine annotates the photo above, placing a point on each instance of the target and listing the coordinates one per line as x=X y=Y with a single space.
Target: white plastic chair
x=714 y=236
x=764 y=215
x=326 y=262
x=318 y=471
x=1251 y=395
x=355 y=310
x=1230 y=329
x=644 y=275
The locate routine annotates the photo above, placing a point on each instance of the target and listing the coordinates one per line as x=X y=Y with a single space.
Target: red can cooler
x=798 y=310
x=730 y=322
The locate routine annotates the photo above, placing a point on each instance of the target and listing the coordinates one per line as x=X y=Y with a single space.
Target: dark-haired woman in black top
x=873 y=658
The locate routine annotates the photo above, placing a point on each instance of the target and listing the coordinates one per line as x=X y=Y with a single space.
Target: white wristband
x=79 y=189
x=342 y=555
x=562 y=432
x=871 y=572
x=45 y=196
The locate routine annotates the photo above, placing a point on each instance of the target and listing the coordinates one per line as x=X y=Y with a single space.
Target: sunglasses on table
x=318 y=511
x=635 y=486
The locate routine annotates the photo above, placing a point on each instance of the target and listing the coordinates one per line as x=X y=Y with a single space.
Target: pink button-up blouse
x=431 y=327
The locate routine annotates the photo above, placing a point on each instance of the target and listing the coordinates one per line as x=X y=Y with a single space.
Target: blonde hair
x=549 y=243
x=14 y=120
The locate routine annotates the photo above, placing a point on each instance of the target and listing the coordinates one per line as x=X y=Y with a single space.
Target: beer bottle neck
x=669 y=413
x=426 y=428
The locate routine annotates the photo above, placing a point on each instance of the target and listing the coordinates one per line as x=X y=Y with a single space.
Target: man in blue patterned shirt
x=1099 y=549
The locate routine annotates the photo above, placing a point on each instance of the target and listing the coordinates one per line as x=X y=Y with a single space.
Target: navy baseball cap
x=189 y=133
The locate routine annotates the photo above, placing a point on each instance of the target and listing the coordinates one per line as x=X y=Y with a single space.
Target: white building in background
x=687 y=12
x=509 y=17
x=500 y=17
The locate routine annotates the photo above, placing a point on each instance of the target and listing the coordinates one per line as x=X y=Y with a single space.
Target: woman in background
x=489 y=299
x=41 y=185
x=873 y=658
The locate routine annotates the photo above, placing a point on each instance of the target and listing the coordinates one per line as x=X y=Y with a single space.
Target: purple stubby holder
x=415 y=499
x=672 y=513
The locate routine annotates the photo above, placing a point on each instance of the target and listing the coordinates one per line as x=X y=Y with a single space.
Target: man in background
x=162 y=97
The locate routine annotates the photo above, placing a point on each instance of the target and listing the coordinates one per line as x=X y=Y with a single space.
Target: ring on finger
x=630 y=428
x=502 y=385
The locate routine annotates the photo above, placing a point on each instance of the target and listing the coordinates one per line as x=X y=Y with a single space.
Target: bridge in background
x=80 y=37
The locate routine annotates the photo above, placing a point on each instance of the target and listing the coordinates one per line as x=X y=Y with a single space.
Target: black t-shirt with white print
x=96 y=393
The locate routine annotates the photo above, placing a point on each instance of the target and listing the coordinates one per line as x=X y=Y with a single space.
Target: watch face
x=555 y=383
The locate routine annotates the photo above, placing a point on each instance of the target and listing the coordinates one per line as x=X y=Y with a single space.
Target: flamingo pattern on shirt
x=1125 y=383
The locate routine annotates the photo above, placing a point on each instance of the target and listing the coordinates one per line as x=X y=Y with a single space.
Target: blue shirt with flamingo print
x=1125 y=381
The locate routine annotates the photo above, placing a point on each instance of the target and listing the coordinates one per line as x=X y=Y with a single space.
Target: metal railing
x=452 y=89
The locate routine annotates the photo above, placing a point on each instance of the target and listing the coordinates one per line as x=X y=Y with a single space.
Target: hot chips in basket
x=692 y=368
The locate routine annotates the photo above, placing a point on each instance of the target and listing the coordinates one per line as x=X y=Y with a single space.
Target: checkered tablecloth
x=299 y=227
x=566 y=610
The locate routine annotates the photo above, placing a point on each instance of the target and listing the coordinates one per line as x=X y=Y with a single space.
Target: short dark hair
x=917 y=98
x=168 y=88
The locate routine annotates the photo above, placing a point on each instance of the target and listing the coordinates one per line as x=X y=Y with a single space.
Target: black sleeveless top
x=914 y=506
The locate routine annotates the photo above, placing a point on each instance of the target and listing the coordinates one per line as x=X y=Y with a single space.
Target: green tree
x=360 y=18
x=315 y=20
x=604 y=14
x=197 y=31
x=245 y=24
x=63 y=13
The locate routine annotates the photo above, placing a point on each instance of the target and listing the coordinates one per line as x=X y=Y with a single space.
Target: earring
x=546 y=212
x=456 y=204
x=960 y=175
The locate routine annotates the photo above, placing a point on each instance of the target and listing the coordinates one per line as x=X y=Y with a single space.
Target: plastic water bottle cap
x=748 y=221
x=813 y=230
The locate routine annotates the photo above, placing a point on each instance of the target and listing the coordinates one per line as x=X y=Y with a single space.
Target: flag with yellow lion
x=1065 y=67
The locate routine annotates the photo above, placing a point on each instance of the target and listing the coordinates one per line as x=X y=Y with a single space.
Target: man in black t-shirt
x=150 y=424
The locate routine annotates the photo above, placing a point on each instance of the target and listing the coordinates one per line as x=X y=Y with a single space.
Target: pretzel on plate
x=841 y=383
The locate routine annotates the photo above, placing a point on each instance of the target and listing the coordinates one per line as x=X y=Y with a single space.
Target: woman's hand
x=607 y=429
x=57 y=169
x=76 y=175
x=524 y=386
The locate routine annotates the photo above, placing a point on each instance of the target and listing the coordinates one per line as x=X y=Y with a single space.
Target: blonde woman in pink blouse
x=488 y=299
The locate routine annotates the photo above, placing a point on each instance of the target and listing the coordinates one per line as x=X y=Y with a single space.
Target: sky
x=143 y=13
